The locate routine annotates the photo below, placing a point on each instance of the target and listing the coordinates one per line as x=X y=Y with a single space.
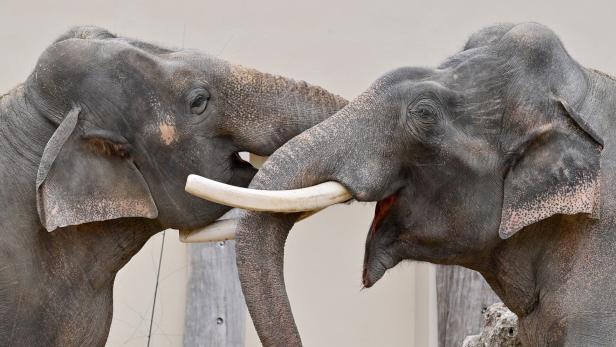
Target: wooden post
x=462 y=296
x=215 y=311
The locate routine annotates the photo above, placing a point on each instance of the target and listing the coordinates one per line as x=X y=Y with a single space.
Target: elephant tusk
x=311 y=198
x=220 y=230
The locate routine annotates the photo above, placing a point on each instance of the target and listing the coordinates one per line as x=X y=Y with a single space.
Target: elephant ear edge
x=89 y=177
x=557 y=171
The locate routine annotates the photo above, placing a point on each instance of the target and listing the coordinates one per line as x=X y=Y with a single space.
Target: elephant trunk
x=276 y=108
x=329 y=151
x=261 y=236
x=260 y=241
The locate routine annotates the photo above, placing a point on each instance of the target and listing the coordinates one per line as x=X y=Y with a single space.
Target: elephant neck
x=23 y=136
x=511 y=273
x=100 y=249
x=553 y=275
x=599 y=103
x=24 y=131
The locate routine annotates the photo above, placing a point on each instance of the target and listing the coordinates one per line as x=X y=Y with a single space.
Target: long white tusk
x=297 y=200
x=220 y=230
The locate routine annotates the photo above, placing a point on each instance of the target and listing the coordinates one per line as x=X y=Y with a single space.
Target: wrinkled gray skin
x=493 y=160
x=96 y=145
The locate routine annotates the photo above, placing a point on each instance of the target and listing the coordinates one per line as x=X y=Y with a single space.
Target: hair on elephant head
x=99 y=140
x=500 y=137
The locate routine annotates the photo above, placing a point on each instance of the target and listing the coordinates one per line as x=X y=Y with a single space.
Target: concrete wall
x=342 y=46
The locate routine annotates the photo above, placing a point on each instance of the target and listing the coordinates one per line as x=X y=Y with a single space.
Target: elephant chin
x=375 y=261
x=375 y=266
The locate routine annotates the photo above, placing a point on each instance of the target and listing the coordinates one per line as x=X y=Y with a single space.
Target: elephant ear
x=89 y=176
x=555 y=170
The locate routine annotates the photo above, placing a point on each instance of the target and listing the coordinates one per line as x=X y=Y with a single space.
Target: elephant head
x=134 y=119
x=97 y=145
x=459 y=157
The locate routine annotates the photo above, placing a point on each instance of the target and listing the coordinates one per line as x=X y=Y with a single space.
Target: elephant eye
x=199 y=104
x=423 y=112
x=422 y=120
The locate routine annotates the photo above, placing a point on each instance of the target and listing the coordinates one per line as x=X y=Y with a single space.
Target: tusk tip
x=220 y=230
x=190 y=181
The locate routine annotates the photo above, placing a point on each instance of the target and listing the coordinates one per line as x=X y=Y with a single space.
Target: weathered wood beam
x=462 y=298
x=215 y=310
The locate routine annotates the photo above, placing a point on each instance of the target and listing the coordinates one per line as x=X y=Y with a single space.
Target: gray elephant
x=495 y=160
x=95 y=149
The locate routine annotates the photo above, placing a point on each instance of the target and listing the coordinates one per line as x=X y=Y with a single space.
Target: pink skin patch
x=382 y=208
x=381 y=211
x=167 y=133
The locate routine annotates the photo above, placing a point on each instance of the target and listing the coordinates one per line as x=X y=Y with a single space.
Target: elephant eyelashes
x=199 y=104
x=422 y=120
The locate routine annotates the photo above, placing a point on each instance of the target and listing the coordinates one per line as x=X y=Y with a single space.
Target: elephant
x=96 y=146
x=499 y=160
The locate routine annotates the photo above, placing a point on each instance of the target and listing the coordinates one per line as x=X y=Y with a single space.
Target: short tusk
x=220 y=230
x=297 y=200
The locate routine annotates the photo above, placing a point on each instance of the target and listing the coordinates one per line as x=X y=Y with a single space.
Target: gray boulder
x=500 y=329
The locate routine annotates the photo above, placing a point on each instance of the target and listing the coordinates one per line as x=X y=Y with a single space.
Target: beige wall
x=323 y=263
x=343 y=46
x=133 y=296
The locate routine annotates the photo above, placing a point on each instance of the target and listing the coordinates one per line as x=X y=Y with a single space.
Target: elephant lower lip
x=365 y=279
x=381 y=211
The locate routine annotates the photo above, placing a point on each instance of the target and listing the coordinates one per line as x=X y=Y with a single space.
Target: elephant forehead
x=182 y=75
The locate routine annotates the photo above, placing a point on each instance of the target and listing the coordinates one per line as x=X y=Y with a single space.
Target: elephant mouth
x=237 y=158
x=375 y=267
x=238 y=162
x=381 y=211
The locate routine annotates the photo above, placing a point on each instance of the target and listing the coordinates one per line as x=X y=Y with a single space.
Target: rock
x=500 y=328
